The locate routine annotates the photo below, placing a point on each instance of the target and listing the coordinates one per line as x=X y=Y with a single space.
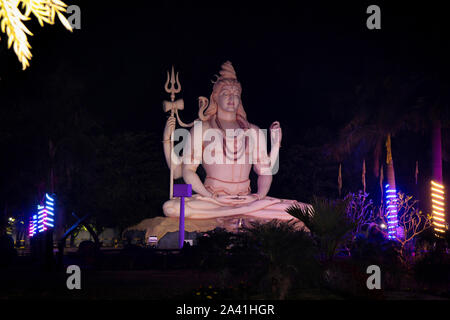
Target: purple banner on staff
x=182 y=190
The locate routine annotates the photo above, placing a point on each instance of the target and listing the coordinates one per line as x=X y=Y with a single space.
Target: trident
x=180 y=190
x=172 y=106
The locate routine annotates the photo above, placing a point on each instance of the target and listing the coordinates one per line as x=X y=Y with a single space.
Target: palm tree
x=382 y=104
x=328 y=223
x=431 y=114
x=289 y=254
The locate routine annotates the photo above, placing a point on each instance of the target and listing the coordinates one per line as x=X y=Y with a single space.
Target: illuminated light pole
x=182 y=190
x=42 y=215
x=391 y=212
x=438 y=207
x=41 y=231
x=33 y=228
x=46 y=213
x=437 y=186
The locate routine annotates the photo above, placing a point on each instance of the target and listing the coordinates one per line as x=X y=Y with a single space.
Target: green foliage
x=275 y=256
x=376 y=250
x=7 y=251
x=238 y=292
x=432 y=270
x=130 y=181
x=327 y=222
x=304 y=168
x=359 y=209
x=3 y=224
x=288 y=256
x=280 y=243
x=380 y=106
x=213 y=248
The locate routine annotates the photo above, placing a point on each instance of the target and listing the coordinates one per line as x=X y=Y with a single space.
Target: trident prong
x=172 y=89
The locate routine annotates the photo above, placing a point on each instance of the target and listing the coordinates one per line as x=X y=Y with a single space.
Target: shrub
x=328 y=223
x=213 y=247
x=288 y=256
x=432 y=271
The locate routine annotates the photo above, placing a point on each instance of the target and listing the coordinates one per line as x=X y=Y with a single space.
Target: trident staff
x=172 y=106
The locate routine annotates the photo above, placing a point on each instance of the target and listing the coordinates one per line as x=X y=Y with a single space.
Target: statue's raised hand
x=170 y=127
x=275 y=134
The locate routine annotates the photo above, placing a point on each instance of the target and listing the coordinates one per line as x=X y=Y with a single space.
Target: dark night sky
x=293 y=60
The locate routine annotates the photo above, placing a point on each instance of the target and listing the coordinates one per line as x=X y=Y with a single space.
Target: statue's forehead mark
x=231 y=88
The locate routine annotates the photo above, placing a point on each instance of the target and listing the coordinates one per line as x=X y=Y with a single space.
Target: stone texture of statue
x=226 y=190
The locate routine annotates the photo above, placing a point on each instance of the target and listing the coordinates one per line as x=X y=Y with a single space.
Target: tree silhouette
x=381 y=105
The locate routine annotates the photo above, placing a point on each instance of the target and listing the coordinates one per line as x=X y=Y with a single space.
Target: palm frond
x=12 y=22
x=39 y=9
x=327 y=221
x=46 y=10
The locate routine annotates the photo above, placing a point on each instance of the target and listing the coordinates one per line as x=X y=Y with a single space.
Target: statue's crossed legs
x=199 y=207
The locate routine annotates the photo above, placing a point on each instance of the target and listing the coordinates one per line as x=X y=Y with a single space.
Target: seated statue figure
x=226 y=190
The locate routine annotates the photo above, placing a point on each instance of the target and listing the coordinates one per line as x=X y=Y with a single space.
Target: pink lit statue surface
x=226 y=190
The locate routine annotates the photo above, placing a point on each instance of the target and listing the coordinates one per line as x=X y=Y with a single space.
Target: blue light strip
x=391 y=212
x=33 y=226
x=46 y=214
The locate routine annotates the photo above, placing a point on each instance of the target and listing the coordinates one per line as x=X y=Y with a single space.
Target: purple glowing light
x=44 y=219
x=391 y=212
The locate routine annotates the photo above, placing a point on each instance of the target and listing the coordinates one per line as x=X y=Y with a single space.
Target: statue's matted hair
x=227 y=78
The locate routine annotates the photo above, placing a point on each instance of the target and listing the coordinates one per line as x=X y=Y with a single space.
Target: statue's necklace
x=226 y=150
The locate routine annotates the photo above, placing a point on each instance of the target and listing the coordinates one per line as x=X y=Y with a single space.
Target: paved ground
x=144 y=284
x=24 y=280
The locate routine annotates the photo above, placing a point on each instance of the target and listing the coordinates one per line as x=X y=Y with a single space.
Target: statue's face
x=229 y=98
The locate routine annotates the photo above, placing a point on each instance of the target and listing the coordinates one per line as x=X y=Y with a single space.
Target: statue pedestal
x=159 y=226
